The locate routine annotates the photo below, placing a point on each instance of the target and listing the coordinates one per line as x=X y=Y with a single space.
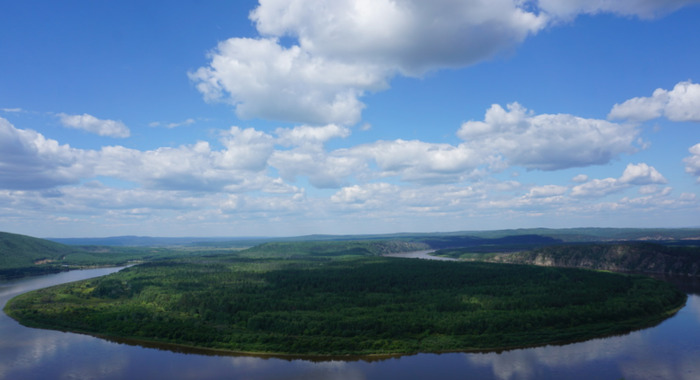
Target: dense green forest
x=332 y=248
x=346 y=302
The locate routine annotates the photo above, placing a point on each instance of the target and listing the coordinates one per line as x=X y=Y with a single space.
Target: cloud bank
x=680 y=104
x=342 y=50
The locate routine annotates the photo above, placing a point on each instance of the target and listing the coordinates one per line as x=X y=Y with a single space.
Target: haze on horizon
x=287 y=118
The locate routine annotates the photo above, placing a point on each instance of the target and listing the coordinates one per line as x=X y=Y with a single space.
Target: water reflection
x=669 y=351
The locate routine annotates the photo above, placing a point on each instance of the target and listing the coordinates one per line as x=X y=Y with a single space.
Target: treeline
x=332 y=248
x=349 y=305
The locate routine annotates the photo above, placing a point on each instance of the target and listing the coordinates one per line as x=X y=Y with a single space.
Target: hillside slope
x=18 y=251
x=621 y=257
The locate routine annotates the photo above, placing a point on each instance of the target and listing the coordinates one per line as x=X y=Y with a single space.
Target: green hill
x=17 y=251
x=22 y=255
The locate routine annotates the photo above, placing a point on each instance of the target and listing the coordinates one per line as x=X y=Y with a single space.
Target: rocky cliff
x=619 y=257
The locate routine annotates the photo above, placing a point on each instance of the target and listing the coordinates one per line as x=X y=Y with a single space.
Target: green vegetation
x=22 y=255
x=337 y=295
x=348 y=304
x=331 y=248
x=621 y=257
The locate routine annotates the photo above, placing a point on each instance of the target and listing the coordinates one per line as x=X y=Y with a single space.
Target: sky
x=296 y=117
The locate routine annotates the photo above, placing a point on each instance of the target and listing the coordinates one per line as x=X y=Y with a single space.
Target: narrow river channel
x=669 y=350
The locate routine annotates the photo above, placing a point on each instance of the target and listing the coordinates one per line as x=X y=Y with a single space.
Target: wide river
x=670 y=350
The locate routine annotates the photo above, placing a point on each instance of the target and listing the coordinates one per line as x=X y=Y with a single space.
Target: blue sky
x=279 y=118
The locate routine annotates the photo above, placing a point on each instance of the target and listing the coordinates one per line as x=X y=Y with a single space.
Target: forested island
x=344 y=298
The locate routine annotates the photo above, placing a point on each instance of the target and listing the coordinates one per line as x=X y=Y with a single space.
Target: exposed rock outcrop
x=619 y=257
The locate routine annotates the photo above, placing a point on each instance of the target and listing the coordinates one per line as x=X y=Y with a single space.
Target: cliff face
x=622 y=257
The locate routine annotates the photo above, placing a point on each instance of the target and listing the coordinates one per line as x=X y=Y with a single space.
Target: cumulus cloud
x=307 y=135
x=373 y=193
x=680 y=104
x=401 y=35
x=580 y=178
x=692 y=162
x=238 y=167
x=323 y=169
x=342 y=49
x=547 y=142
x=418 y=161
x=506 y=137
x=641 y=174
x=348 y=48
x=92 y=124
x=264 y=79
x=28 y=160
x=308 y=156
x=635 y=174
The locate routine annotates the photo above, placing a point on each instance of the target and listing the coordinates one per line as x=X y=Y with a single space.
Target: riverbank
x=667 y=350
x=350 y=306
x=424 y=255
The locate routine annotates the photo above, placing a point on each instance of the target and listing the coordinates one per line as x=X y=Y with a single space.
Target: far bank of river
x=668 y=350
x=425 y=255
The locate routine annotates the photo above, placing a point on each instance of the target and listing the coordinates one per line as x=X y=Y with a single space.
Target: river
x=669 y=350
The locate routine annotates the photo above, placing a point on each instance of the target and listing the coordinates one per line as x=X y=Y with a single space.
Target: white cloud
x=92 y=124
x=635 y=174
x=246 y=149
x=680 y=104
x=547 y=191
x=547 y=142
x=28 y=160
x=238 y=167
x=645 y=9
x=596 y=188
x=401 y=35
x=185 y=122
x=692 y=162
x=418 y=161
x=641 y=174
x=374 y=193
x=263 y=79
x=580 y=178
x=342 y=49
x=346 y=48
x=323 y=169
x=305 y=135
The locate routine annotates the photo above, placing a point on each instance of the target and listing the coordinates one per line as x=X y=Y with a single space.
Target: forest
x=641 y=257
x=342 y=299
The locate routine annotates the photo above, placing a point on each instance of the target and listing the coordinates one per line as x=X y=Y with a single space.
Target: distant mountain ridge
x=22 y=255
x=438 y=239
x=143 y=241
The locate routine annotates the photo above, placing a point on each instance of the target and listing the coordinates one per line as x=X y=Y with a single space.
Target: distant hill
x=20 y=250
x=437 y=240
x=22 y=255
x=150 y=241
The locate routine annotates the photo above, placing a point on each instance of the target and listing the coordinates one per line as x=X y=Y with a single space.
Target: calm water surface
x=670 y=350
